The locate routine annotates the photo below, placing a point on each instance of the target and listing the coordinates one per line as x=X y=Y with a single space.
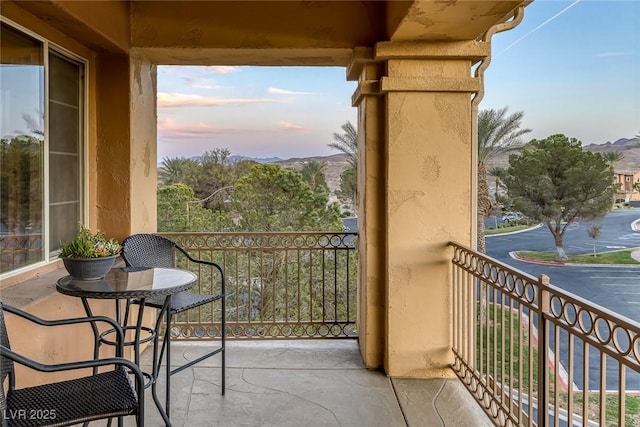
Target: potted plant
x=89 y=256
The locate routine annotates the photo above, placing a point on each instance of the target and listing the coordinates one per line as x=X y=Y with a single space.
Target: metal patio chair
x=151 y=250
x=105 y=395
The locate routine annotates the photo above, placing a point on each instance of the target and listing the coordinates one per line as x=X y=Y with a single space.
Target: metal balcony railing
x=278 y=285
x=535 y=355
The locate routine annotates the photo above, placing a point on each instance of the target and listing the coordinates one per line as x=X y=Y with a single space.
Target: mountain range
x=620 y=144
x=629 y=147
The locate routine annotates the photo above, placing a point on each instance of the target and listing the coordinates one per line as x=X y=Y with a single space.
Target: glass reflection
x=21 y=149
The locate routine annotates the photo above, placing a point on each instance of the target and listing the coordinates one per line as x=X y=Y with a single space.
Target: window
x=42 y=140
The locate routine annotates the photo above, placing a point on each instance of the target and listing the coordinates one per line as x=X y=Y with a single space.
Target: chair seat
x=182 y=301
x=108 y=394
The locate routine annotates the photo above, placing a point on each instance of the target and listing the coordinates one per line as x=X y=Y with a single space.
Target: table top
x=129 y=282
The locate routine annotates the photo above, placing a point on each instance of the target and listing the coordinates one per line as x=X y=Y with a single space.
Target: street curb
x=488 y=236
x=514 y=255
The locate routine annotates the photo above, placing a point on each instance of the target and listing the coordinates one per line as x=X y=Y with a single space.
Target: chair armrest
x=201 y=261
x=69 y=366
x=60 y=322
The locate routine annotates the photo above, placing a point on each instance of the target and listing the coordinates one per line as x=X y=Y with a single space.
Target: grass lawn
x=501 y=230
x=613 y=257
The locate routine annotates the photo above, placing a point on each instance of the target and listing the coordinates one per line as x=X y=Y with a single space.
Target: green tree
x=554 y=181
x=347 y=142
x=498 y=133
x=271 y=198
x=21 y=180
x=214 y=172
x=179 y=210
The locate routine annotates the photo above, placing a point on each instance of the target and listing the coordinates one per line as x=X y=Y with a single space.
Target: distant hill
x=237 y=158
x=629 y=147
x=335 y=165
x=620 y=144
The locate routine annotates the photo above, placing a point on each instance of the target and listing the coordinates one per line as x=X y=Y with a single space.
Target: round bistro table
x=127 y=286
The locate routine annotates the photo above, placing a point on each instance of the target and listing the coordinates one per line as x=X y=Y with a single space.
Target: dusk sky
x=573 y=67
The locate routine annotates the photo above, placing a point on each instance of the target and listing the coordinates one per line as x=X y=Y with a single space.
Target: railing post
x=543 y=353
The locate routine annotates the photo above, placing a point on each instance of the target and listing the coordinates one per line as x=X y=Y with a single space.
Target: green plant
x=89 y=245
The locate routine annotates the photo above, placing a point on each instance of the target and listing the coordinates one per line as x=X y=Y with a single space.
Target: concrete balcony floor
x=306 y=383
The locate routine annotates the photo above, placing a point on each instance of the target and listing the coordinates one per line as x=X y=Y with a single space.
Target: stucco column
x=124 y=172
x=144 y=150
x=428 y=195
x=371 y=243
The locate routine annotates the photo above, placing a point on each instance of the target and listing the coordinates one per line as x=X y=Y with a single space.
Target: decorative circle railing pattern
x=278 y=285
x=266 y=331
x=264 y=241
x=518 y=285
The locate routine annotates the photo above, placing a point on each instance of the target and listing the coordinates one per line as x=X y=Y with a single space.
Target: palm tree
x=612 y=157
x=347 y=142
x=313 y=173
x=174 y=171
x=498 y=133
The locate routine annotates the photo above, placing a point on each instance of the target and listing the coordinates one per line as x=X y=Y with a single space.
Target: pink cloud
x=185 y=100
x=167 y=128
x=223 y=69
x=289 y=126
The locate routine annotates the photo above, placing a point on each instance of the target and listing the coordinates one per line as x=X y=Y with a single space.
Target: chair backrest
x=6 y=365
x=149 y=250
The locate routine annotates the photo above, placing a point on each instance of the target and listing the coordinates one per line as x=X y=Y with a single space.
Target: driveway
x=616 y=288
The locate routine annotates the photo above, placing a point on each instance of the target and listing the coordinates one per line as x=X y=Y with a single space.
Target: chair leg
x=223 y=367
x=167 y=339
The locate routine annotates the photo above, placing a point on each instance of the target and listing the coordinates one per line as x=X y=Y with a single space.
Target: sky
x=572 y=67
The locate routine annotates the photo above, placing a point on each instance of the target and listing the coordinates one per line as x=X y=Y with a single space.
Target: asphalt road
x=616 y=288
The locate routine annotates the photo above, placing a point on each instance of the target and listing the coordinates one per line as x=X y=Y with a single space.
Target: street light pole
x=204 y=200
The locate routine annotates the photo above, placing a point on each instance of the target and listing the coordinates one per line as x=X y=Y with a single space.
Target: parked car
x=513 y=216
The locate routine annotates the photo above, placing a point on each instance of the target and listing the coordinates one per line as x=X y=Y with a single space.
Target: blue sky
x=572 y=67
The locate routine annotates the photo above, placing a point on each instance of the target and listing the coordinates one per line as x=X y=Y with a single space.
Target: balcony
x=527 y=352
x=520 y=344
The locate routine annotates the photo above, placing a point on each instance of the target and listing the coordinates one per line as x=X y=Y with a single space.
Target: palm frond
x=499 y=133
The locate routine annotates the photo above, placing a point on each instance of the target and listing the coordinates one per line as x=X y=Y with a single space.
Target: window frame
x=48 y=46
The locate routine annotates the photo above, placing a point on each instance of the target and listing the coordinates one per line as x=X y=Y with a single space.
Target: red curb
x=515 y=255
